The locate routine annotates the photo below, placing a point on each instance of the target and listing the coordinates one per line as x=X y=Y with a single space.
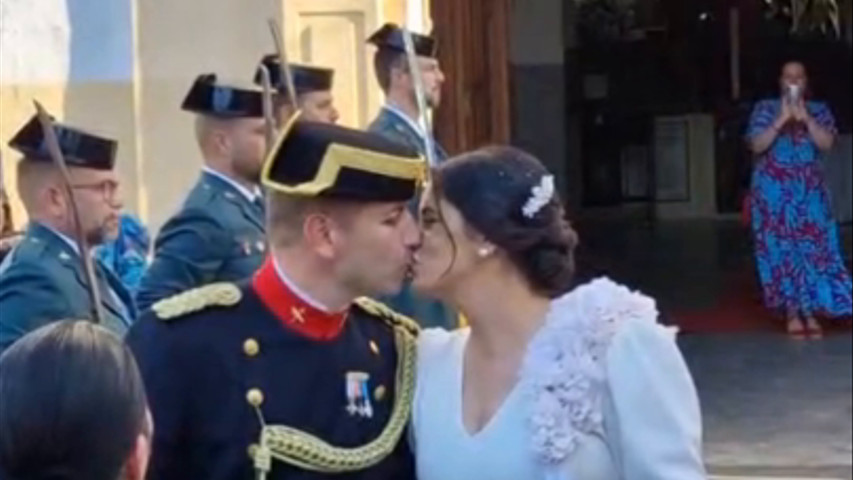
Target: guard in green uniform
x=293 y=374
x=398 y=121
x=313 y=85
x=42 y=280
x=398 y=118
x=218 y=234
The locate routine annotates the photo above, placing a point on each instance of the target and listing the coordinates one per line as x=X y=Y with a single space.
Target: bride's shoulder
x=565 y=371
x=436 y=343
x=604 y=310
x=585 y=322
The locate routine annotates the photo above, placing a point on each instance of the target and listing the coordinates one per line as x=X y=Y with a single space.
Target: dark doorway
x=673 y=57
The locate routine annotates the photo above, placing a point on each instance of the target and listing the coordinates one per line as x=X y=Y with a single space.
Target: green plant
x=808 y=16
x=604 y=19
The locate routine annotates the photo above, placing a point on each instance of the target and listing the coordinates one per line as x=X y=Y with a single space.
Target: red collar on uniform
x=292 y=311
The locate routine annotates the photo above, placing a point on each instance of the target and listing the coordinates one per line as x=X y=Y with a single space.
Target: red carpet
x=741 y=310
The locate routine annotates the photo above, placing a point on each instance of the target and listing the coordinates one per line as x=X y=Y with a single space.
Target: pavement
x=773 y=407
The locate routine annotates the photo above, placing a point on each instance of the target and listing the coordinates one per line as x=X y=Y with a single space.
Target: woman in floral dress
x=799 y=259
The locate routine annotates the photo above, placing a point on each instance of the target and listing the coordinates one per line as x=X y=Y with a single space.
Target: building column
x=30 y=29
x=538 y=83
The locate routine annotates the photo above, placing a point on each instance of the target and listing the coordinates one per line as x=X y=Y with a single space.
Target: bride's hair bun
x=507 y=196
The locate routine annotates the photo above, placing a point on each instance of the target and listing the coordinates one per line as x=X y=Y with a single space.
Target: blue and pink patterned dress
x=127 y=255
x=796 y=238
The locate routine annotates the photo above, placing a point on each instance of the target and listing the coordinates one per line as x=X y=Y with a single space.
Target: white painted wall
x=415 y=15
x=55 y=41
x=34 y=42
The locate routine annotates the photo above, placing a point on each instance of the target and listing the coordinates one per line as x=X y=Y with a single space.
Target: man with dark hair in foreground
x=72 y=407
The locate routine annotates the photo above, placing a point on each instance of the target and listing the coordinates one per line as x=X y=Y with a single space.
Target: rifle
x=286 y=74
x=270 y=121
x=420 y=96
x=55 y=152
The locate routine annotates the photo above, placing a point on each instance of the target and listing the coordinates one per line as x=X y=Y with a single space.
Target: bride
x=546 y=384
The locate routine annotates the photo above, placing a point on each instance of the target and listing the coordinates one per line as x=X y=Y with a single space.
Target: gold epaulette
x=391 y=317
x=198 y=299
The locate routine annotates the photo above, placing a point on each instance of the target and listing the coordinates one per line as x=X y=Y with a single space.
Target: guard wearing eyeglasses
x=42 y=280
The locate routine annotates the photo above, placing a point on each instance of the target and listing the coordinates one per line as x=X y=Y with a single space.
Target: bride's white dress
x=604 y=394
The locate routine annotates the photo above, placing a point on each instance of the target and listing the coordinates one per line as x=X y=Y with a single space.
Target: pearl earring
x=485 y=251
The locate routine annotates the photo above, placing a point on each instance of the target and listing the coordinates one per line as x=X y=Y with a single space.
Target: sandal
x=814 y=329
x=797 y=331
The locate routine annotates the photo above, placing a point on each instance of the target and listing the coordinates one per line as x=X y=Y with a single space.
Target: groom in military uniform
x=292 y=374
x=398 y=121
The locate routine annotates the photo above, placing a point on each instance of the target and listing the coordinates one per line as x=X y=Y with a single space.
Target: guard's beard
x=100 y=235
x=433 y=100
x=93 y=236
x=248 y=171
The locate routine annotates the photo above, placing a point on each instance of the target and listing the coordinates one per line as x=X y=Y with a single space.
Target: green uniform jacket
x=42 y=281
x=218 y=235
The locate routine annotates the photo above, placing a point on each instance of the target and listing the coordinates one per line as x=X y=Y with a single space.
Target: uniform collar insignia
x=293 y=311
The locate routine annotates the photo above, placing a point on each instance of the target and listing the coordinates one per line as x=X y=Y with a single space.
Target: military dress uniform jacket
x=429 y=313
x=218 y=235
x=334 y=391
x=42 y=281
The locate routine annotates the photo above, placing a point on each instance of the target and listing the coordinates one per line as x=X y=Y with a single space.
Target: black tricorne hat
x=209 y=97
x=313 y=159
x=79 y=148
x=306 y=78
x=390 y=36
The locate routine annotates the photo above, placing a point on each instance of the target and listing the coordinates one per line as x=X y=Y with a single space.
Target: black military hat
x=390 y=36
x=306 y=78
x=80 y=149
x=322 y=160
x=209 y=97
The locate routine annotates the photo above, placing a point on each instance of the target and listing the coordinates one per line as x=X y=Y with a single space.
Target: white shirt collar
x=291 y=285
x=71 y=243
x=412 y=124
x=65 y=238
x=251 y=195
